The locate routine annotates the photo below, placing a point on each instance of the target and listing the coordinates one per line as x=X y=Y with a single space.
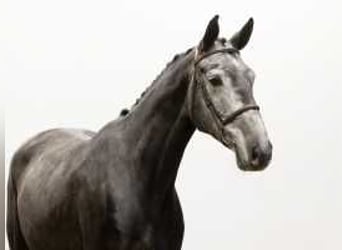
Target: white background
x=77 y=63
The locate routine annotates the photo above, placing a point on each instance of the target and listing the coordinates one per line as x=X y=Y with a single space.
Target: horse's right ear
x=210 y=35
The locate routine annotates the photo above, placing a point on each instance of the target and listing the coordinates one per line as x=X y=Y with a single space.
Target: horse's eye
x=215 y=81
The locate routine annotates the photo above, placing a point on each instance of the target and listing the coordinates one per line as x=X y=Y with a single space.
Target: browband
x=228 y=50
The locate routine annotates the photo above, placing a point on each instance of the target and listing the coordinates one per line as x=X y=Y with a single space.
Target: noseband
x=222 y=119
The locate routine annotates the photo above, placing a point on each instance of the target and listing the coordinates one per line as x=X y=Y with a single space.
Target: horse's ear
x=241 y=38
x=210 y=35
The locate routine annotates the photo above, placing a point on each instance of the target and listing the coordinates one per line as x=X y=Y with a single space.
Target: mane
x=126 y=111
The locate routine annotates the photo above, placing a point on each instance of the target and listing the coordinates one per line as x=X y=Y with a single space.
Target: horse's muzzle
x=260 y=157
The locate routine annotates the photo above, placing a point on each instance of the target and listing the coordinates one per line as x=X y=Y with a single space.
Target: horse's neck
x=160 y=128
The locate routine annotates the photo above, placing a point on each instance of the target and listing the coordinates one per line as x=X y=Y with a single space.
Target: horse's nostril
x=255 y=153
x=260 y=157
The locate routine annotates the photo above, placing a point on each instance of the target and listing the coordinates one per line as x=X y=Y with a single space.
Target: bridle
x=220 y=119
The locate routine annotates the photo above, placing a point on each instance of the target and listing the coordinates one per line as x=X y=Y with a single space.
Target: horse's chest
x=130 y=221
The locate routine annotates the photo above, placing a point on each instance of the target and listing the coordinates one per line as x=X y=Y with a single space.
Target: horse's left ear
x=241 y=38
x=210 y=35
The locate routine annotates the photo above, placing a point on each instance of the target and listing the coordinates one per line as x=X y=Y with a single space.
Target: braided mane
x=126 y=111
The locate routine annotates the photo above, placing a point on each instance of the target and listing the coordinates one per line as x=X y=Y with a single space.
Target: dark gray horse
x=115 y=189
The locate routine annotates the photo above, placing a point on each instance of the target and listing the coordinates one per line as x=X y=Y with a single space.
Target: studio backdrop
x=79 y=63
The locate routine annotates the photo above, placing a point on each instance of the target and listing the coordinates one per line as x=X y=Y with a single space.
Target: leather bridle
x=221 y=119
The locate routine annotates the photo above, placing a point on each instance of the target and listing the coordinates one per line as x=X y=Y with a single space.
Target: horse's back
x=51 y=143
x=41 y=177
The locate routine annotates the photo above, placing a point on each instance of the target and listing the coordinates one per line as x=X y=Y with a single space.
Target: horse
x=115 y=188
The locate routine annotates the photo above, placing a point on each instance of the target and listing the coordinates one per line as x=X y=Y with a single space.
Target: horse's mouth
x=242 y=162
x=248 y=165
x=245 y=166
